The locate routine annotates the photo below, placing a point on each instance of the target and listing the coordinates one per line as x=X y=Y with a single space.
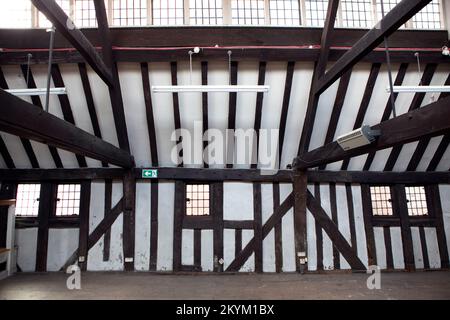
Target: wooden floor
x=100 y=285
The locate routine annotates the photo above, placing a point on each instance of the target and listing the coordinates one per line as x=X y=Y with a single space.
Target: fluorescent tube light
x=36 y=92
x=231 y=88
x=423 y=89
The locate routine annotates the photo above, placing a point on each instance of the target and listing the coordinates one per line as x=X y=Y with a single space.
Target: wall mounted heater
x=414 y=89
x=36 y=92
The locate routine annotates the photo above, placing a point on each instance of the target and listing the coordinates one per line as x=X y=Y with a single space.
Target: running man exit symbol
x=149 y=173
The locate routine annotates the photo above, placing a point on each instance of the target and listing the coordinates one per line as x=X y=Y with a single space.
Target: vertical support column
x=7 y=191
x=129 y=194
x=217 y=189
x=300 y=190
x=154 y=225
x=257 y=226
x=368 y=225
x=46 y=207
x=180 y=201
x=400 y=206
x=83 y=238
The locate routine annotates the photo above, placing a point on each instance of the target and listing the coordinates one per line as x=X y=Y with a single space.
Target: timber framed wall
x=251 y=227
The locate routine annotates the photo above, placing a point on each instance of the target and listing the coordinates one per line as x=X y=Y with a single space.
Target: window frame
x=210 y=200
x=392 y=201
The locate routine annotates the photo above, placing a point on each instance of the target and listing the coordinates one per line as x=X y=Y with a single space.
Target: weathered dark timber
x=83 y=232
x=388 y=245
x=61 y=21
x=149 y=113
x=397 y=16
x=434 y=202
x=239 y=224
x=351 y=215
x=278 y=230
x=364 y=103
x=388 y=109
x=332 y=230
x=399 y=203
x=319 y=231
x=26 y=120
x=231 y=148
x=403 y=129
x=90 y=102
x=129 y=220
x=258 y=112
x=334 y=218
x=285 y=107
x=415 y=104
x=368 y=216
x=257 y=231
x=46 y=208
x=204 y=66
x=300 y=188
x=217 y=212
x=238 y=242
x=198 y=248
x=107 y=209
x=423 y=245
x=153 y=225
x=276 y=217
x=176 y=112
x=179 y=212
x=248 y=175
x=65 y=106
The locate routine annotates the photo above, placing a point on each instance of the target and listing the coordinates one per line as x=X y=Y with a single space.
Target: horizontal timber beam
x=25 y=120
x=65 y=26
x=393 y=20
x=429 y=121
x=249 y=175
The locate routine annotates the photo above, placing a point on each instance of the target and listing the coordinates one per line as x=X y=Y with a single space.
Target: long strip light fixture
x=36 y=92
x=209 y=88
x=423 y=89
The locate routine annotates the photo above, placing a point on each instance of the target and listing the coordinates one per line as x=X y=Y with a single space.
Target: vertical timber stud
x=84 y=225
x=368 y=225
x=257 y=226
x=46 y=205
x=129 y=192
x=180 y=201
x=300 y=185
x=217 y=189
x=7 y=191
x=436 y=205
x=107 y=210
x=400 y=203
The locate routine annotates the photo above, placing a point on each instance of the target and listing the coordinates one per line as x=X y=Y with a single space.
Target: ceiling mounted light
x=36 y=92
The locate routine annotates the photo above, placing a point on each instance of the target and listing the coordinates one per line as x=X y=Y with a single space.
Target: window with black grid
x=85 y=13
x=43 y=22
x=356 y=13
x=429 y=17
x=387 y=6
x=284 y=12
x=27 y=200
x=205 y=12
x=381 y=200
x=249 y=12
x=197 y=200
x=68 y=200
x=16 y=14
x=417 y=201
x=168 y=12
x=316 y=12
x=129 y=13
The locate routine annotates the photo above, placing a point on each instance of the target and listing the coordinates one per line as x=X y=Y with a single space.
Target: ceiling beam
x=65 y=26
x=25 y=120
x=403 y=129
x=394 y=19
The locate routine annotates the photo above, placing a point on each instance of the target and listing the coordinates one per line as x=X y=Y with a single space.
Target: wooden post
x=300 y=188
x=83 y=237
x=46 y=207
x=129 y=192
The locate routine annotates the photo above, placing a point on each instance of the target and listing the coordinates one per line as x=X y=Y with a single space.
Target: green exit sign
x=149 y=173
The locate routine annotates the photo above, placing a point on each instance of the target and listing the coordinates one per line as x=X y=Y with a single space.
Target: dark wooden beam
x=387 y=110
x=394 y=19
x=204 y=66
x=176 y=111
x=217 y=213
x=230 y=141
x=258 y=112
x=403 y=129
x=65 y=26
x=107 y=209
x=364 y=103
x=368 y=224
x=257 y=231
x=319 y=231
x=300 y=189
x=179 y=212
x=83 y=232
x=285 y=107
x=332 y=230
x=278 y=229
x=129 y=220
x=26 y=120
x=46 y=209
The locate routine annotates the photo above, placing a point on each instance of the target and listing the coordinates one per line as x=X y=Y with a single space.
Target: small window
x=129 y=13
x=417 y=201
x=68 y=200
x=27 y=200
x=388 y=5
x=85 y=13
x=197 y=200
x=381 y=200
x=316 y=12
x=356 y=13
x=205 y=12
x=429 y=17
x=15 y=14
x=42 y=20
x=249 y=12
x=284 y=12
x=168 y=12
